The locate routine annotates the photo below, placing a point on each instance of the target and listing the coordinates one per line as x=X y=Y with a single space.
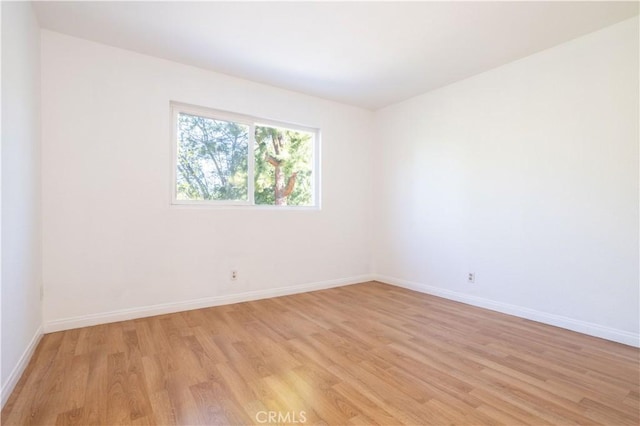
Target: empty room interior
x=327 y=213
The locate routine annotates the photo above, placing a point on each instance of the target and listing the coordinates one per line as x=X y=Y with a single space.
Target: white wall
x=526 y=175
x=21 y=230
x=111 y=241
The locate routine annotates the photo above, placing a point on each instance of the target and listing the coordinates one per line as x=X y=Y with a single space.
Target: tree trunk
x=281 y=191
x=281 y=198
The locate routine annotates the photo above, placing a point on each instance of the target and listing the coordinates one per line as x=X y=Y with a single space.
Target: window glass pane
x=283 y=166
x=211 y=159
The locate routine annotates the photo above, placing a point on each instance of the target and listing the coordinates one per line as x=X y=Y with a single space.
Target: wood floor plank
x=363 y=354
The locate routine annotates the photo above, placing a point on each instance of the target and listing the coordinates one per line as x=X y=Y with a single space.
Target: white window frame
x=252 y=122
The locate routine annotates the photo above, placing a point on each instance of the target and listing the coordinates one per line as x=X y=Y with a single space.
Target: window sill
x=215 y=206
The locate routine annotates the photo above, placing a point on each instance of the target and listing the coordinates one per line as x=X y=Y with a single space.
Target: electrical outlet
x=471 y=278
x=234 y=275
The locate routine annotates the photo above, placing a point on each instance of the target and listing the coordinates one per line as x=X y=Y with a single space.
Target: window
x=221 y=158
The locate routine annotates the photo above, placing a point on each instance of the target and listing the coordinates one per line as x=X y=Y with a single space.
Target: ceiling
x=369 y=54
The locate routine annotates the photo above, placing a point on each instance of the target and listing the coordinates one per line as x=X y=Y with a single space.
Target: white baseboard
x=15 y=375
x=592 y=329
x=167 y=308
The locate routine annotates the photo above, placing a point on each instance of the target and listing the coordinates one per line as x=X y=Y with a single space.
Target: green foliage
x=212 y=162
x=295 y=155
x=212 y=159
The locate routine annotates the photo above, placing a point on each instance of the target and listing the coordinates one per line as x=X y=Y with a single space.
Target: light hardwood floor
x=362 y=354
